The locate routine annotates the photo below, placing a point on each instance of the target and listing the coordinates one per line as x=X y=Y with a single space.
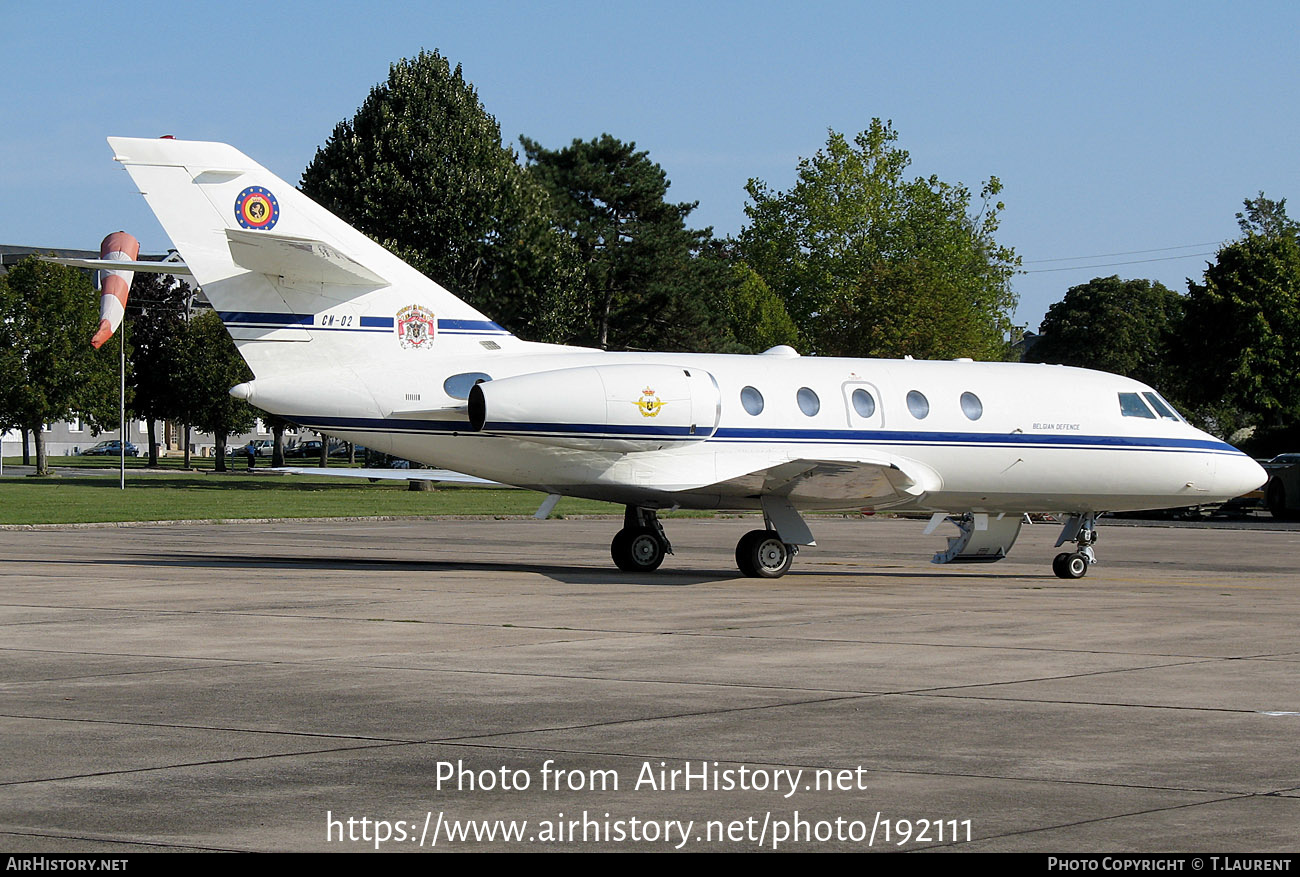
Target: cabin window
x=1131 y=405
x=1162 y=407
x=752 y=400
x=863 y=403
x=808 y=402
x=918 y=404
x=971 y=406
x=458 y=386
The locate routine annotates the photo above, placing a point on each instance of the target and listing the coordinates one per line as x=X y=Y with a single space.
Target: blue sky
x=1114 y=127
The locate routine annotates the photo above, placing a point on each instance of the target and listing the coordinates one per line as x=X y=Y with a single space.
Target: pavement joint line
x=1116 y=816
x=940 y=691
x=5 y=686
x=1082 y=703
x=614 y=633
x=136 y=723
x=117 y=840
x=181 y=765
x=1059 y=677
x=640 y=719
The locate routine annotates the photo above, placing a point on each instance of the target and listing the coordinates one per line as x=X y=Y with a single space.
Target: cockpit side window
x=1162 y=407
x=1131 y=405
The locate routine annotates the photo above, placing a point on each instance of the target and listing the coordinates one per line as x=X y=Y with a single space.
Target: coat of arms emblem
x=416 y=326
x=649 y=403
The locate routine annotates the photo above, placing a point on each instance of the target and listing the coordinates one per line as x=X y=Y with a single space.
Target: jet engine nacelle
x=603 y=407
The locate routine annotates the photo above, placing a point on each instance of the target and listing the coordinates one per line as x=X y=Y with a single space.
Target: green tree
x=1241 y=336
x=1126 y=327
x=870 y=263
x=210 y=366
x=758 y=317
x=48 y=314
x=649 y=281
x=158 y=309
x=421 y=169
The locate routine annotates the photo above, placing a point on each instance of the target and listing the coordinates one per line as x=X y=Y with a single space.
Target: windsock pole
x=114 y=287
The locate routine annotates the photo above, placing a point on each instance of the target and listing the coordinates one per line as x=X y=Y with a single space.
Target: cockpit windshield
x=1131 y=405
x=1163 y=408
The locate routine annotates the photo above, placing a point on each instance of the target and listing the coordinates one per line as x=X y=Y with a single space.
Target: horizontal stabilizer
x=175 y=268
x=298 y=258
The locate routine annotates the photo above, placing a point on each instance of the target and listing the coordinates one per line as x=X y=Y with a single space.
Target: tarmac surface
x=307 y=686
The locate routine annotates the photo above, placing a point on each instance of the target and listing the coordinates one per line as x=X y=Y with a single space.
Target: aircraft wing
x=855 y=481
x=445 y=475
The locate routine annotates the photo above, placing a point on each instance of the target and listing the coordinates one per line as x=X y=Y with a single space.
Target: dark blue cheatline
x=281 y=320
x=866 y=438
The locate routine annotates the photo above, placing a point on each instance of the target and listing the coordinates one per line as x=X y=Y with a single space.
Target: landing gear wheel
x=762 y=554
x=1070 y=566
x=637 y=550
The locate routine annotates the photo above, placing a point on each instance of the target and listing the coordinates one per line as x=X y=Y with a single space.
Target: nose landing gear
x=1082 y=531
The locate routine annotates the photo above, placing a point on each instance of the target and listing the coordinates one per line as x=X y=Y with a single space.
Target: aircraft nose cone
x=1238 y=474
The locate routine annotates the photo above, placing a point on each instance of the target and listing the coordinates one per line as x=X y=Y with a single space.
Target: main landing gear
x=760 y=554
x=641 y=545
x=1082 y=531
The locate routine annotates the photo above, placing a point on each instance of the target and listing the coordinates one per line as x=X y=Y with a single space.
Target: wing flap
x=827 y=481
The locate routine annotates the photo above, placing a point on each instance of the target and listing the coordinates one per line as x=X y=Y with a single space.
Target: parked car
x=1282 y=492
x=304 y=449
x=261 y=447
x=111 y=448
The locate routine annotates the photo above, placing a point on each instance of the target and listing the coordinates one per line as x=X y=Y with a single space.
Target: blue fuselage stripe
x=779 y=436
x=280 y=320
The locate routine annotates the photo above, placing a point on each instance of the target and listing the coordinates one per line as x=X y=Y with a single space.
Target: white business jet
x=345 y=338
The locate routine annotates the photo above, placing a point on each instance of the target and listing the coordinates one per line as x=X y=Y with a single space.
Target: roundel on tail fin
x=256 y=208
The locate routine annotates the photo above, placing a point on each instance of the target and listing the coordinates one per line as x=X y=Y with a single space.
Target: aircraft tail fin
x=280 y=268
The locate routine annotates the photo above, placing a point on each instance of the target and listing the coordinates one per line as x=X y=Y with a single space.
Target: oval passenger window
x=918 y=404
x=863 y=403
x=808 y=402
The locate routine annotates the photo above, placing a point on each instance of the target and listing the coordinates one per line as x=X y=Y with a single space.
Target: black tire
x=1070 y=566
x=637 y=550
x=761 y=554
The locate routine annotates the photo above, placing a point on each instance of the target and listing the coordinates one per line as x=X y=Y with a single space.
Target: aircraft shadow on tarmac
x=557 y=572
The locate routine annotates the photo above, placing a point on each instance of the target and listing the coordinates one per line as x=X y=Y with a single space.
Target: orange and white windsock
x=114 y=286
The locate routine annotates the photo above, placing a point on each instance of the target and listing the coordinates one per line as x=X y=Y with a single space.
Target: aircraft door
x=864 y=405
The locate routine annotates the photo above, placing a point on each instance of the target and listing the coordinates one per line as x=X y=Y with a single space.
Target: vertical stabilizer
x=297 y=287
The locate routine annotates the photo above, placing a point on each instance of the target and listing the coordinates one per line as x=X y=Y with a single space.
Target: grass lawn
x=76 y=498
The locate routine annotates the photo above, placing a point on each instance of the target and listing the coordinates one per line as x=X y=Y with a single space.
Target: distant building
x=1025 y=344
